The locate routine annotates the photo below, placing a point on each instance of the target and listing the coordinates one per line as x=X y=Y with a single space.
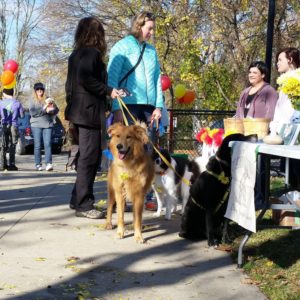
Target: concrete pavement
x=48 y=253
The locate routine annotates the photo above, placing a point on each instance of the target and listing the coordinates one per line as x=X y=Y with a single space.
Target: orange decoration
x=189 y=97
x=7 y=77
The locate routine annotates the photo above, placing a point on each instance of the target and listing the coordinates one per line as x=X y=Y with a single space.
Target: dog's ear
x=141 y=134
x=112 y=128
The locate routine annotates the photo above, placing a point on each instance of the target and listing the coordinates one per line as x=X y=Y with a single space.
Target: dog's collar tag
x=223 y=178
x=124 y=176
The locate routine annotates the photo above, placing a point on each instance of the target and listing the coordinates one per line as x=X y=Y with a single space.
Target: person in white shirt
x=288 y=59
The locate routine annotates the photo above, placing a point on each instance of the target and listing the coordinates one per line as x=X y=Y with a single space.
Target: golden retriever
x=130 y=175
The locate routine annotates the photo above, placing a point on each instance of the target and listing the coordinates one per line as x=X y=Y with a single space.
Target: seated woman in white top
x=288 y=59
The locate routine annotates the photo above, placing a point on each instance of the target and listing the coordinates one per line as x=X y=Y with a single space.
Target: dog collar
x=221 y=177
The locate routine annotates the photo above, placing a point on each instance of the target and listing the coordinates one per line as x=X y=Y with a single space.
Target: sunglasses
x=150 y=15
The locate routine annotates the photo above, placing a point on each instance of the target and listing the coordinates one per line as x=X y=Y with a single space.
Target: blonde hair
x=139 y=21
x=36 y=97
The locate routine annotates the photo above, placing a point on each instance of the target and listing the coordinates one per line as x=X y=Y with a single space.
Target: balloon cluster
x=8 y=78
x=184 y=96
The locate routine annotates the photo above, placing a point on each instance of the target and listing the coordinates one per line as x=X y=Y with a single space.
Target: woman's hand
x=156 y=115
x=116 y=93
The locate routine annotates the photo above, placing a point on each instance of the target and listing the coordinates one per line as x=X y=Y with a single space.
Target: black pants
x=88 y=161
x=8 y=143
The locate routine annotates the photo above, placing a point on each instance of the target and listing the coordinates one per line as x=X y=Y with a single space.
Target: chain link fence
x=185 y=124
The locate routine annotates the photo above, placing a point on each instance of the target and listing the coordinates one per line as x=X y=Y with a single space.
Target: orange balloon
x=7 y=77
x=189 y=97
x=11 y=85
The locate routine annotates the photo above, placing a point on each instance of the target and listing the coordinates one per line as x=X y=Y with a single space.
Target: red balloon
x=165 y=82
x=11 y=65
x=189 y=97
x=7 y=77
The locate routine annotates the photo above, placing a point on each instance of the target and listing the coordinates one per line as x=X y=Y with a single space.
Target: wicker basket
x=259 y=126
x=233 y=125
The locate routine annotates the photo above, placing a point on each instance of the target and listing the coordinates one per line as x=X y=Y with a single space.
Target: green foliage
x=217 y=86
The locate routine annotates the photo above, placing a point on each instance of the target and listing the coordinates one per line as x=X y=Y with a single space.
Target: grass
x=272 y=258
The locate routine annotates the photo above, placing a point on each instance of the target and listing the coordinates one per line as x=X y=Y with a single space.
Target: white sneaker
x=39 y=167
x=49 y=167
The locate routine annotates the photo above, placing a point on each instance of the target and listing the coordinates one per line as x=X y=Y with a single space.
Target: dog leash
x=218 y=207
x=122 y=104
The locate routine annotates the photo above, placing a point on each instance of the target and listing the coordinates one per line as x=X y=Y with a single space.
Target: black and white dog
x=206 y=207
x=168 y=185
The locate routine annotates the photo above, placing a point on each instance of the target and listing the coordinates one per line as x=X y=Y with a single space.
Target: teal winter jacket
x=144 y=83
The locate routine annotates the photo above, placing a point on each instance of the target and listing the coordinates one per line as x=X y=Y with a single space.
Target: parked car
x=25 y=141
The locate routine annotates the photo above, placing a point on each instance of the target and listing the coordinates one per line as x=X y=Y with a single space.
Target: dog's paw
x=120 y=233
x=182 y=234
x=156 y=214
x=213 y=243
x=168 y=217
x=139 y=239
x=108 y=226
x=227 y=240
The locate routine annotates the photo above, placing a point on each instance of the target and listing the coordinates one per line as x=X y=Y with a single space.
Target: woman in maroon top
x=260 y=98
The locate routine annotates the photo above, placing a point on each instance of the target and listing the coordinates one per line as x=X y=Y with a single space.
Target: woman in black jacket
x=86 y=91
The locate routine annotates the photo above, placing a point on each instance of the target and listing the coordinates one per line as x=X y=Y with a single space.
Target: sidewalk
x=48 y=253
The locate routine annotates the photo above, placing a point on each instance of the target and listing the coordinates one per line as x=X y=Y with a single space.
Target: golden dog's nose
x=119 y=146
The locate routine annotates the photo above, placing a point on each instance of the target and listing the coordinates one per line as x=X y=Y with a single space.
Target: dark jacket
x=86 y=89
x=263 y=104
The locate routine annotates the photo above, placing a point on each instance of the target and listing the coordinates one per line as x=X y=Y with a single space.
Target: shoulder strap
x=134 y=67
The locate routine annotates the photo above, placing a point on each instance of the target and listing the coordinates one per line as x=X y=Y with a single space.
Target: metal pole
x=270 y=30
x=171 y=127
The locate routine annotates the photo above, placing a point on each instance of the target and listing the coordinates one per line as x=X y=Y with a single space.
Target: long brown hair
x=90 y=33
x=139 y=21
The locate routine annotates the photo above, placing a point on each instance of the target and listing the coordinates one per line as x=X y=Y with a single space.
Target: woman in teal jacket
x=144 y=98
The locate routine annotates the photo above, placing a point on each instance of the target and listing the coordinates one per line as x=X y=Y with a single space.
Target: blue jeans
x=38 y=134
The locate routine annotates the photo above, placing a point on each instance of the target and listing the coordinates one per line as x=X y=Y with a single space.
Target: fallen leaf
x=269 y=263
x=249 y=281
x=73 y=259
x=6 y=286
x=223 y=247
x=101 y=202
x=40 y=259
x=99 y=226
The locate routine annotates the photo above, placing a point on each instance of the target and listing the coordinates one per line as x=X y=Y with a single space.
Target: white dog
x=168 y=186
